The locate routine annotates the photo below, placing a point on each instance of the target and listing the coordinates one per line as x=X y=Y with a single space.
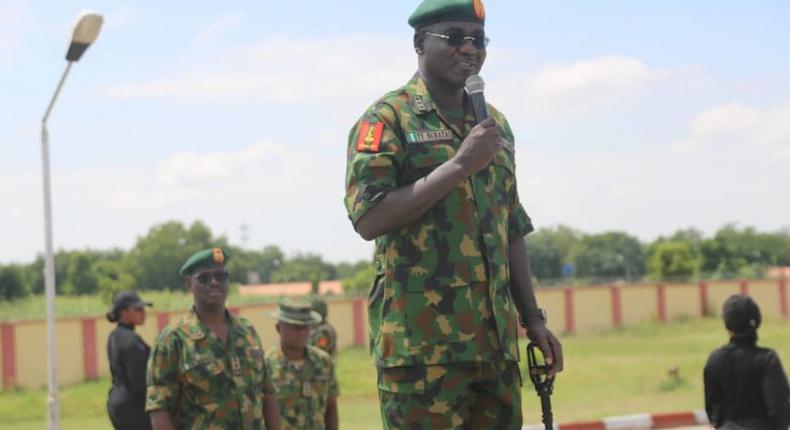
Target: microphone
x=474 y=87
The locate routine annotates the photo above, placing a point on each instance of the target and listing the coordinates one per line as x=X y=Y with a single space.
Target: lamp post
x=86 y=30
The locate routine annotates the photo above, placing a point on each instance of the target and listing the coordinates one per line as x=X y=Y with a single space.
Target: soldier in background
x=324 y=335
x=303 y=375
x=745 y=385
x=437 y=192
x=207 y=371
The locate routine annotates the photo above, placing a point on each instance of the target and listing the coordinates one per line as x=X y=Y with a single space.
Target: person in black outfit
x=745 y=385
x=128 y=356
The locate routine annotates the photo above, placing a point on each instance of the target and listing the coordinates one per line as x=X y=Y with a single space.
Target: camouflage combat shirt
x=206 y=384
x=302 y=390
x=441 y=293
x=324 y=337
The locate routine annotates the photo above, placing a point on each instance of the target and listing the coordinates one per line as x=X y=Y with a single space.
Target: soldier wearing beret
x=324 y=335
x=127 y=353
x=303 y=375
x=207 y=371
x=438 y=194
x=745 y=385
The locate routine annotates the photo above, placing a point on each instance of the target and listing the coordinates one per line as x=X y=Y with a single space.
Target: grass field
x=611 y=373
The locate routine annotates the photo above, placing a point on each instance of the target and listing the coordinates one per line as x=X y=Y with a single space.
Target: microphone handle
x=479 y=105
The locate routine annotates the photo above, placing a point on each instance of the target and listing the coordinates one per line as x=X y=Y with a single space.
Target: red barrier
x=745 y=288
x=7 y=335
x=358 y=311
x=783 y=305
x=703 y=299
x=90 y=361
x=570 y=317
x=617 y=307
x=162 y=320
x=662 y=302
x=679 y=419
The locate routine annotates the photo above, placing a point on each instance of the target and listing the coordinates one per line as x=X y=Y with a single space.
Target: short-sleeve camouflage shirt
x=441 y=293
x=324 y=337
x=204 y=383
x=303 y=388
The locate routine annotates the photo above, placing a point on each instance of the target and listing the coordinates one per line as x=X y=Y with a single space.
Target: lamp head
x=86 y=30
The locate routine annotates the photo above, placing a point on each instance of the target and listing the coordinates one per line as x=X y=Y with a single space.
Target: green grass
x=34 y=307
x=611 y=373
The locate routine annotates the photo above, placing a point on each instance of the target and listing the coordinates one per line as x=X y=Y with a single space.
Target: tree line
x=557 y=254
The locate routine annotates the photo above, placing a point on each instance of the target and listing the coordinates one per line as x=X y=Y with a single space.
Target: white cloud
x=564 y=91
x=286 y=70
x=225 y=23
x=14 y=21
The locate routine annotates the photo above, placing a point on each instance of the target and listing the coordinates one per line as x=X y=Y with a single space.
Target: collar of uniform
x=195 y=330
x=421 y=100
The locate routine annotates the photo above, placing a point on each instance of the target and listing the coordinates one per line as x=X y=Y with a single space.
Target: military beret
x=741 y=314
x=205 y=258
x=433 y=11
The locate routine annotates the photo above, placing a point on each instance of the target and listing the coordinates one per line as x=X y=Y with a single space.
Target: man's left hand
x=549 y=345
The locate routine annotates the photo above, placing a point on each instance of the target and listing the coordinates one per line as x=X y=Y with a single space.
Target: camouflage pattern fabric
x=463 y=395
x=206 y=384
x=441 y=293
x=324 y=337
x=303 y=390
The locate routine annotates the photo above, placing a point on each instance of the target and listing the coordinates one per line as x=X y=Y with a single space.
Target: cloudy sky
x=643 y=116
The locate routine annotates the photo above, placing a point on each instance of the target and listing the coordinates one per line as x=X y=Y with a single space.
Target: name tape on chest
x=425 y=136
x=370 y=136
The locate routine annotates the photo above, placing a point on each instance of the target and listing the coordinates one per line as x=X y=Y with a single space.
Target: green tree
x=13 y=284
x=361 y=281
x=304 y=267
x=672 y=260
x=610 y=255
x=156 y=257
x=263 y=262
x=545 y=258
x=112 y=277
x=734 y=252
x=80 y=278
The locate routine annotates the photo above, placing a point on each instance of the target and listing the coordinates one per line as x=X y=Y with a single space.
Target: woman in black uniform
x=128 y=355
x=745 y=385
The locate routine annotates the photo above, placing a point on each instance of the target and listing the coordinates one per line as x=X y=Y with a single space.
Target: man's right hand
x=480 y=147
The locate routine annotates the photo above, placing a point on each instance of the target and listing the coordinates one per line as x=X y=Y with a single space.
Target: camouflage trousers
x=484 y=395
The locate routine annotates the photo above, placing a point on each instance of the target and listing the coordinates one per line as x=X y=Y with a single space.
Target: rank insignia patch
x=424 y=136
x=370 y=136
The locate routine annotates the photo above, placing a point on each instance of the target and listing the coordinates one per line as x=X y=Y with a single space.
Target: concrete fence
x=81 y=347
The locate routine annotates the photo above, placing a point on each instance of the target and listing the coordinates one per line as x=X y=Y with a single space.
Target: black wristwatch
x=541 y=314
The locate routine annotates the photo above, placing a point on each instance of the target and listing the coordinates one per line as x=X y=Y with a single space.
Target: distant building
x=290 y=289
x=779 y=272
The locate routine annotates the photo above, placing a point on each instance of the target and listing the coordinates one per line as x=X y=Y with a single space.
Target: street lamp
x=86 y=30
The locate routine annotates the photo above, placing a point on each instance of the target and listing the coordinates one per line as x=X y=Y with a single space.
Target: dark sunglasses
x=456 y=40
x=220 y=276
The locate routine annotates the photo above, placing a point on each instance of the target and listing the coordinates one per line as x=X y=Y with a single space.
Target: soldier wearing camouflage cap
x=438 y=194
x=207 y=371
x=324 y=335
x=303 y=375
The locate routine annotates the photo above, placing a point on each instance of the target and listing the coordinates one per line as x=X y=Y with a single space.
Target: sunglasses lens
x=204 y=278
x=222 y=276
x=455 y=40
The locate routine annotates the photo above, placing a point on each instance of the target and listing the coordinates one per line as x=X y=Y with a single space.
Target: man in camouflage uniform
x=324 y=335
x=439 y=195
x=303 y=375
x=207 y=371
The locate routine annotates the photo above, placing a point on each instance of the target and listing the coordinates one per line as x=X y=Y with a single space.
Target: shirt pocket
x=201 y=376
x=423 y=158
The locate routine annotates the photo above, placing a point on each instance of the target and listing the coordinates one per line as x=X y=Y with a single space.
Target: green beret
x=205 y=258
x=295 y=312
x=433 y=11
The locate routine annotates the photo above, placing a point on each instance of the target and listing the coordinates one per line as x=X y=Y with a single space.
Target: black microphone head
x=474 y=85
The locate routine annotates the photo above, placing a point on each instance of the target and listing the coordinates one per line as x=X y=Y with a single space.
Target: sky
x=641 y=116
